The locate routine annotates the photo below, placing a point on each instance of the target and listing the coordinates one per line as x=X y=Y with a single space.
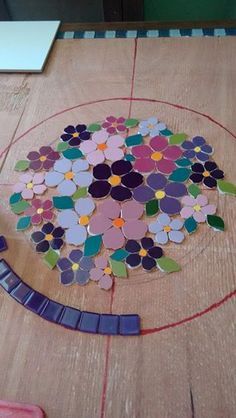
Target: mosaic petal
x=99 y=189
x=67 y=277
x=164 y=219
x=83 y=179
x=155 y=252
x=110 y=209
x=198 y=141
x=100 y=137
x=113 y=154
x=18 y=187
x=186 y=212
x=176 y=189
x=170 y=205
x=199 y=217
x=96 y=274
x=42 y=247
x=86 y=263
x=82 y=277
x=173 y=152
x=155 y=227
x=135 y=229
x=133 y=260
x=176 y=224
x=144 y=165
x=80 y=165
x=156 y=181
x=132 y=246
x=63 y=165
x=210 y=182
x=95 y=157
x=76 y=235
x=33 y=155
x=102 y=172
x=217 y=174
x=201 y=200
x=75 y=255
x=120 y=193
x=101 y=262
x=87 y=146
x=105 y=282
x=132 y=180
x=67 y=218
x=209 y=209
x=143 y=194
x=113 y=238
x=26 y=178
x=37 y=236
x=161 y=237
x=148 y=263
x=198 y=168
x=158 y=143
x=196 y=177
x=39 y=189
x=53 y=178
x=141 y=151
x=63 y=264
x=121 y=167
x=201 y=156
x=27 y=194
x=188 y=145
x=84 y=206
x=115 y=141
x=165 y=166
x=188 y=200
x=66 y=188
x=147 y=242
x=176 y=236
x=131 y=210
x=38 y=178
x=99 y=224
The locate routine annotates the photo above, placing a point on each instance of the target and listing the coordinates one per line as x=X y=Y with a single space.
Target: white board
x=24 y=46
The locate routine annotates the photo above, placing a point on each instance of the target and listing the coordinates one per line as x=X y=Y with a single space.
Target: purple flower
x=48 y=237
x=197 y=148
x=207 y=173
x=75 y=268
x=75 y=134
x=144 y=253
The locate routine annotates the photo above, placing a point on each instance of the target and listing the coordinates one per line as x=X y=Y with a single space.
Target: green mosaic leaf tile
x=119 y=255
x=94 y=127
x=226 y=187
x=131 y=123
x=72 y=153
x=180 y=174
x=80 y=192
x=166 y=132
x=22 y=165
x=23 y=223
x=129 y=157
x=92 y=245
x=134 y=140
x=118 y=268
x=63 y=202
x=19 y=207
x=168 y=265
x=51 y=258
x=190 y=225
x=62 y=146
x=177 y=139
x=152 y=207
x=14 y=198
x=215 y=222
x=183 y=162
x=194 y=190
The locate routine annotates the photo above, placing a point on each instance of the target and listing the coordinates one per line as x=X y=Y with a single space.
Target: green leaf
x=215 y=222
x=226 y=187
x=190 y=225
x=131 y=123
x=22 y=165
x=63 y=202
x=118 y=268
x=51 y=258
x=183 y=162
x=152 y=207
x=23 y=223
x=94 y=127
x=194 y=190
x=72 y=153
x=166 y=132
x=177 y=139
x=119 y=255
x=129 y=157
x=80 y=192
x=14 y=198
x=180 y=174
x=20 y=206
x=168 y=265
x=92 y=245
x=62 y=146
x=134 y=140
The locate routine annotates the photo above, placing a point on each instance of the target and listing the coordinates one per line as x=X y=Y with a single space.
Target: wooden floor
x=184 y=366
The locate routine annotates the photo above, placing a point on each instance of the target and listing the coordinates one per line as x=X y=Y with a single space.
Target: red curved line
x=210 y=308
x=115 y=99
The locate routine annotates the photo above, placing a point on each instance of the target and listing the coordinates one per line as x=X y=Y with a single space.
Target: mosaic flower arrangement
x=112 y=195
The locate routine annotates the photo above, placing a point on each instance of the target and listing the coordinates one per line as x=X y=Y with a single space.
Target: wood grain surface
x=185 y=366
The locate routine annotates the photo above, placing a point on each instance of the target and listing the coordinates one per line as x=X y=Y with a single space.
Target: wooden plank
x=162 y=373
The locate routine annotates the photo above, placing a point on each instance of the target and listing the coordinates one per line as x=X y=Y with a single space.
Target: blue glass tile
x=21 y=293
x=120 y=33
x=10 y=281
x=36 y=303
x=230 y=31
x=52 y=311
x=70 y=317
x=4 y=268
x=100 y=34
x=79 y=34
x=208 y=32
x=186 y=32
x=3 y=243
x=108 y=324
x=89 y=322
x=164 y=33
x=129 y=325
x=141 y=33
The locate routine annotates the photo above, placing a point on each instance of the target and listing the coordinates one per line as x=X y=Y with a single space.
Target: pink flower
x=101 y=273
x=40 y=211
x=44 y=159
x=113 y=125
x=117 y=222
x=102 y=147
x=197 y=208
x=158 y=155
x=29 y=185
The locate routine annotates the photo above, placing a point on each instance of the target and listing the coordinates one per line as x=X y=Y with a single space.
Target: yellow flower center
x=40 y=210
x=114 y=180
x=156 y=156
x=84 y=220
x=197 y=149
x=114 y=124
x=118 y=222
x=69 y=175
x=167 y=228
x=107 y=270
x=75 y=266
x=206 y=174
x=197 y=208
x=160 y=194
x=48 y=237
x=102 y=147
x=150 y=126
x=75 y=135
x=29 y=185
x=43 y=158
x=142 y=252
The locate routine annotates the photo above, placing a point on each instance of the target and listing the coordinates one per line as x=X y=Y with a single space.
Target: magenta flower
x=102 y=273
x=29 y=185
x=117 y=222
x=40 y=211
x=197 y=208
x=42 y=159
x=113 y=125
x=158 y=155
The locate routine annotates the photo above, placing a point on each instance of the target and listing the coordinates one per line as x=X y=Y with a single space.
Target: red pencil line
x=133 y=75
x=215 y=305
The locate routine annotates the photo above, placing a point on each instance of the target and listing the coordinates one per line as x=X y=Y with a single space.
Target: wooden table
x=185 y=365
